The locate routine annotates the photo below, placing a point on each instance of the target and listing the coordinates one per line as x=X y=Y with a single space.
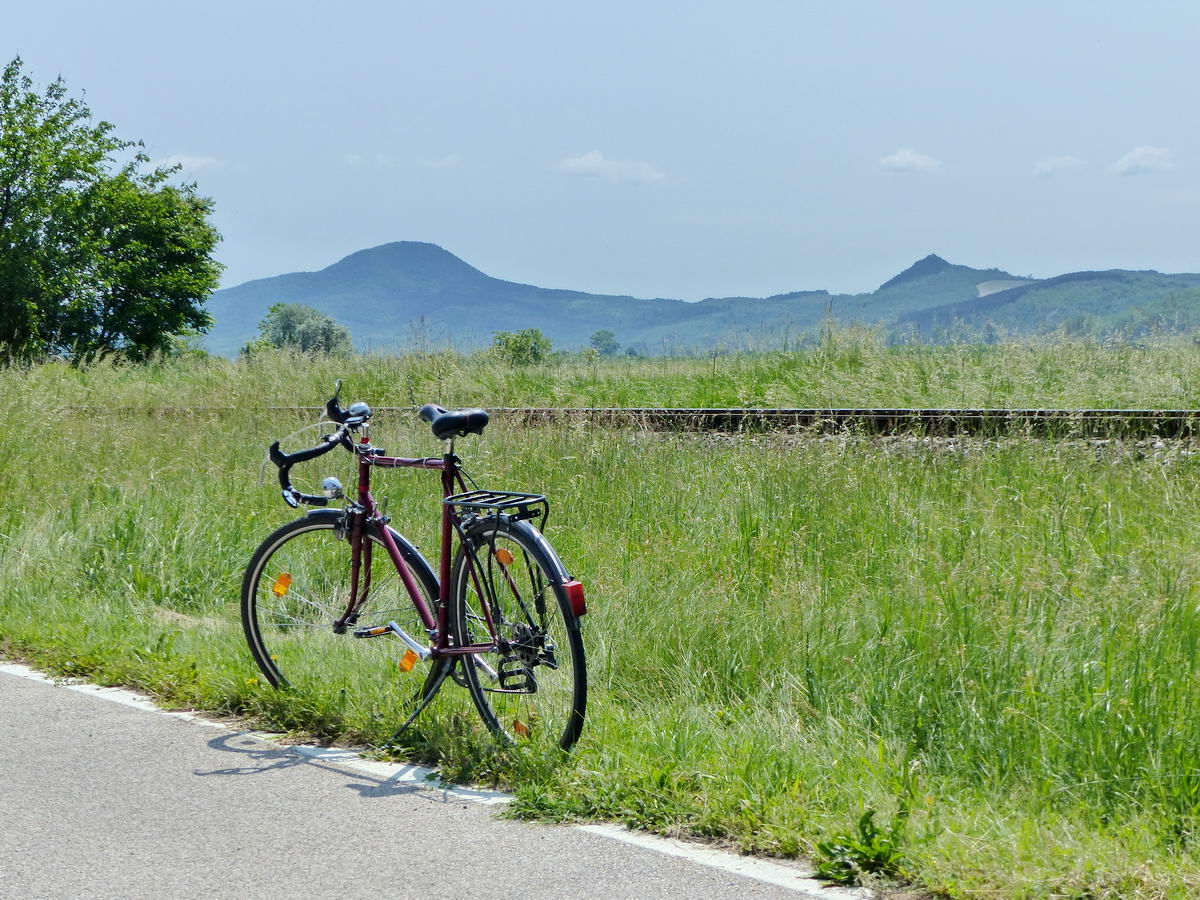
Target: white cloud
x=1143 y=159
x=1052 y=165
x=379 y=159
x=449 y=161
x=614 y=171
x=906 y=159
x=186 y=162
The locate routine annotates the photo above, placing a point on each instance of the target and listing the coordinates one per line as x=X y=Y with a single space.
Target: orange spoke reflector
x=407 y=661
x=504 y=555
x=282 y=583
x=520 y=728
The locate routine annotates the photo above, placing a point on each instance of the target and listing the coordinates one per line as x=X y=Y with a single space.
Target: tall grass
x=849 y=367
x=995 y=642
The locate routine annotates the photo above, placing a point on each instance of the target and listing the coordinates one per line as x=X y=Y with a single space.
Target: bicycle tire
x=538 y=634
x=288 y=627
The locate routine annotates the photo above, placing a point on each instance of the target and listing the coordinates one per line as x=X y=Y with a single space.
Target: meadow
x=848 y=367
x=993 y=644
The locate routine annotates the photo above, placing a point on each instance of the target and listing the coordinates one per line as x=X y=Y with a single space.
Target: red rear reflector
x=574 y=591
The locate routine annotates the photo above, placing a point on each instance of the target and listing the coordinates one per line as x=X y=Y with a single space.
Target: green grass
x=848 y=367
x=994 y=645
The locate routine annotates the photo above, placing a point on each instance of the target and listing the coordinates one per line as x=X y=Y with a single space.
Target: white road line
x=394 y=773
x=348 y=757
x=399 y=773
x=751 y=867
x=24 y=672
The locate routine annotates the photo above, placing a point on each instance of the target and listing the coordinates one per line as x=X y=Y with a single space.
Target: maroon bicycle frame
x=452 y=479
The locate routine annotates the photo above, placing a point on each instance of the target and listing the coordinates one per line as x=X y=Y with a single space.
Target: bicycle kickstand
x=424 y=697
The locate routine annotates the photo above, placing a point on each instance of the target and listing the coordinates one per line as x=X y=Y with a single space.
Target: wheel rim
x=541 y=657
x=301 y=587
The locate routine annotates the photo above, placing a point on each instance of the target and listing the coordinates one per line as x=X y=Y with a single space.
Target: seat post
x=449 y=477
x=449 y=470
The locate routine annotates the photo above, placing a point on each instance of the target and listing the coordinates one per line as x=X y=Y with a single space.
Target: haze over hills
x=410 y=292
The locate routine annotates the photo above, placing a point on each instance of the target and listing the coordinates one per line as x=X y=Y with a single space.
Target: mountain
x=395 y=293
x=930 y=265
x=1098 y=303
x=410 y=292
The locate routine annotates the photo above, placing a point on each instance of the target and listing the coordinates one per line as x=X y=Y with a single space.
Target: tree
x=300 y=327
x=522 y=348
x=605 y=342
x=97 y=259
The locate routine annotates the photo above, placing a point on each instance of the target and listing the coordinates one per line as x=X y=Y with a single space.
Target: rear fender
x=559 y=570
x=562 y=578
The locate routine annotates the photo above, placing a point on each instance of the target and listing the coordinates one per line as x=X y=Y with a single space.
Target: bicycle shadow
x=264 y=759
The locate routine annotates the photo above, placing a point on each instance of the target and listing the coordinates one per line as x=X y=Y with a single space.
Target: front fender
x=325 y=513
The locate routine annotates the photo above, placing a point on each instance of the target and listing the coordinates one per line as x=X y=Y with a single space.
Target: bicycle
x=501 y=616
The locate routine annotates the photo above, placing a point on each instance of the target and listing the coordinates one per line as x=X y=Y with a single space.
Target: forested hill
x=410 y=292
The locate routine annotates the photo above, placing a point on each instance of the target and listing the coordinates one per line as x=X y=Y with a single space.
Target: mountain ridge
x=929 y=265
x=396 y=293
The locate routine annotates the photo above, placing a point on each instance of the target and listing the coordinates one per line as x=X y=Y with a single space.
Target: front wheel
x=298 y=584
x=534 y=685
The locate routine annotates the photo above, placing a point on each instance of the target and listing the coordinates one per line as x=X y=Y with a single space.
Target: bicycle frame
x=368 y=511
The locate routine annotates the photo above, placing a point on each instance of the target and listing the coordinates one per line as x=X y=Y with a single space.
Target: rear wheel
x=534 y=686
x=298 y=584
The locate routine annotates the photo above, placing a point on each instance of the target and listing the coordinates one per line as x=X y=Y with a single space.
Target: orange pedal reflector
x=407 y=661
x=282 y=583
x=520 y=728
x=574 y=591
x=504 y=555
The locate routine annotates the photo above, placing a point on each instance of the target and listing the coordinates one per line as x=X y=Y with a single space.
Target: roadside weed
x=867 y=850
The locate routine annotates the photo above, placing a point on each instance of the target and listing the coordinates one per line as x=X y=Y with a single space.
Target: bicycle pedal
x=514 y=677
x=376 y=631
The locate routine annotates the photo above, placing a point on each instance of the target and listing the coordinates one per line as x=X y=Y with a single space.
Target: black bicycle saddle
x=448 y=423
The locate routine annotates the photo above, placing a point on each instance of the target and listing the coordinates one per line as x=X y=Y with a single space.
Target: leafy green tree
x=300 y=327
x=97 y=259
x=522 y=348
x=605 y=342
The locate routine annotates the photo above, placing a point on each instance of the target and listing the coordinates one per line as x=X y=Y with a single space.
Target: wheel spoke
x=302 y=588
x=538 y=693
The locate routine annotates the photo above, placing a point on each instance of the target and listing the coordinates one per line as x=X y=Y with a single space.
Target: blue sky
x=660 y=149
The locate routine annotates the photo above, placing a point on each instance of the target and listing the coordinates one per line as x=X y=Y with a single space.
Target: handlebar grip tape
x=285 y=461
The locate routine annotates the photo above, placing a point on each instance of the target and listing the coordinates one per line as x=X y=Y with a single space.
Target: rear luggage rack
x=527 y=506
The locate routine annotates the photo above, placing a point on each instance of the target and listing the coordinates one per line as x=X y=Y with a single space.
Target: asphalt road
x=103 y=800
